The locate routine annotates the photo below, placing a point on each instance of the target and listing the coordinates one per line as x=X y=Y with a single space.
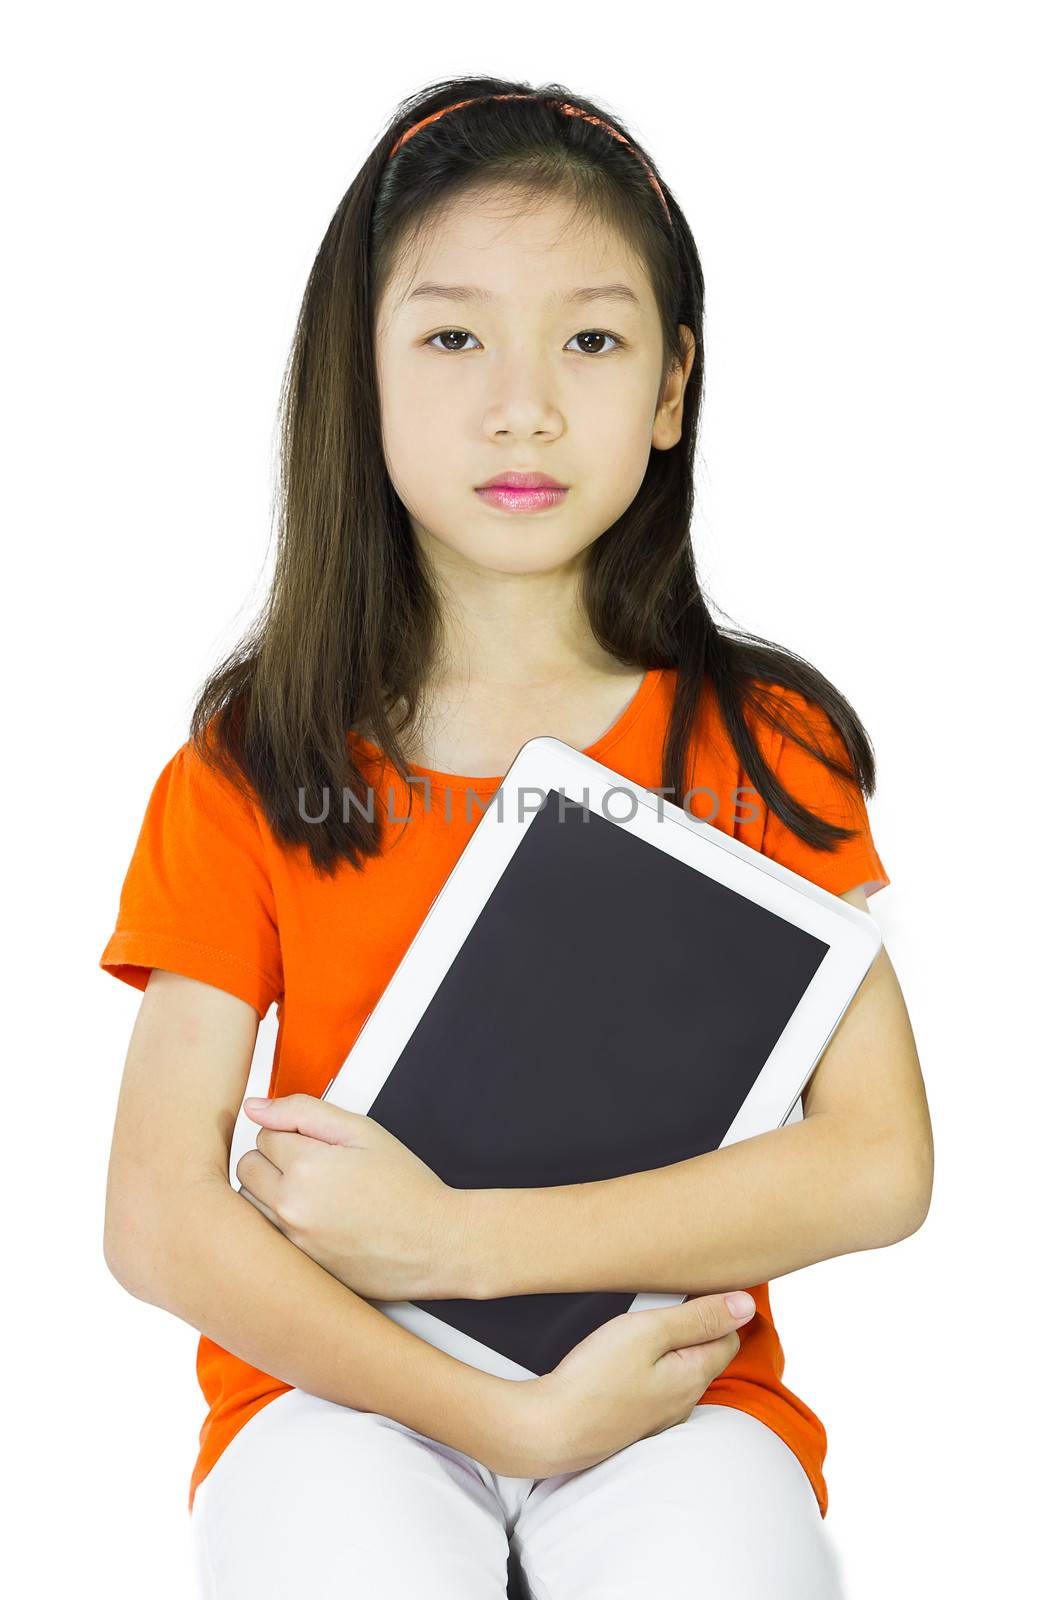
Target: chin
x=522 y=544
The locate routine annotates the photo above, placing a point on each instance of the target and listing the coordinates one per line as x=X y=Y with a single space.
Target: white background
x=865 y=189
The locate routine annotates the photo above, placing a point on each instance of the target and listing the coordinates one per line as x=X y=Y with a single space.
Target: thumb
x=304 y=1113
x=704 y=1318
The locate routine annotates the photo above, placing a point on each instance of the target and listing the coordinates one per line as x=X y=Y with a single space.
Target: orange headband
x=561 y=105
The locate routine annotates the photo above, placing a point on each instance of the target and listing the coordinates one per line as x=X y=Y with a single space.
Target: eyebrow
x=464 y=292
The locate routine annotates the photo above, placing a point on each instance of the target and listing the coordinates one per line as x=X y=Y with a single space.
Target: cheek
x=619 y=440
x=414 y=432
x=620 y=407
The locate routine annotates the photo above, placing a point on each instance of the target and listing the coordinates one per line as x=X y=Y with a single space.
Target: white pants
x=317 y=1501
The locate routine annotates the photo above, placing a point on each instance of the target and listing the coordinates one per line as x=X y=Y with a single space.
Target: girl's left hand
x=354 y=1198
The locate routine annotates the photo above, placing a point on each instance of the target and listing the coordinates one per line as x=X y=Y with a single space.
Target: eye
x=588 y=333
x=455 y=333
x=598 y=333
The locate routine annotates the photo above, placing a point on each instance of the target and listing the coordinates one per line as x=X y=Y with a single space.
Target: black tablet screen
x=608 y=1013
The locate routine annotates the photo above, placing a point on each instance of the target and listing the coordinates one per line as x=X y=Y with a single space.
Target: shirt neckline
x=488 y=785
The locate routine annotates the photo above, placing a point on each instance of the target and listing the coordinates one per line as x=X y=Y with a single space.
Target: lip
x=522 y=480
x=506 y=497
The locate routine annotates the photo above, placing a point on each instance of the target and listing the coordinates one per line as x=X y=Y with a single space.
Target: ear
x=666 y=425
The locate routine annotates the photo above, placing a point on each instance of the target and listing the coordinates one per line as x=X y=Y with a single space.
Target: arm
x=855 y=1174
x=179 y=1236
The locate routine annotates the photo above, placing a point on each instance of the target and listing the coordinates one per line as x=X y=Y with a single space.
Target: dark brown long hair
x=351 y=624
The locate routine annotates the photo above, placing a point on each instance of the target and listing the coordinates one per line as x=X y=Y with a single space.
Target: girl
x=489 y=421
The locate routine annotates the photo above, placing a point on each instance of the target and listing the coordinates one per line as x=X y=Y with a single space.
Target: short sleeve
x=197 y=897
x=850 y=863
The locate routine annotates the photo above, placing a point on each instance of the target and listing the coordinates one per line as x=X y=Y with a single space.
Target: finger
x=707 y=1359
x=708 y=1317
x=271 y=1216
x=304 y=1113
x=281 y=1146
x=261 y=1177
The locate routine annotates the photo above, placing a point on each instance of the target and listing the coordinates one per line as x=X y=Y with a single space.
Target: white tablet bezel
x=541 y=765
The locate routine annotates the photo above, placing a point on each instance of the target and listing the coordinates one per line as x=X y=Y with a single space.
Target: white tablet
x=604 y=984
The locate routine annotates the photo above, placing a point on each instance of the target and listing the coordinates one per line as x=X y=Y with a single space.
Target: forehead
x=492 y=248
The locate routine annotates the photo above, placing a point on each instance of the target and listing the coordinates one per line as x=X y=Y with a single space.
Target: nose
x=521 y=401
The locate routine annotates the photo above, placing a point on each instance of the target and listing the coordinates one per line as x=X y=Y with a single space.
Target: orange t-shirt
x=211 y=893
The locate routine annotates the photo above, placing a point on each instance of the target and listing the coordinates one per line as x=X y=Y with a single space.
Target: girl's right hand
x=633 y=1376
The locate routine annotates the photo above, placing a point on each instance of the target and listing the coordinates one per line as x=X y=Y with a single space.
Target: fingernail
x=740 y=1304
x=256 y=1100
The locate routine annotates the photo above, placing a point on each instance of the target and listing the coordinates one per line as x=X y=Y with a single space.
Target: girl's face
x=520 y=344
